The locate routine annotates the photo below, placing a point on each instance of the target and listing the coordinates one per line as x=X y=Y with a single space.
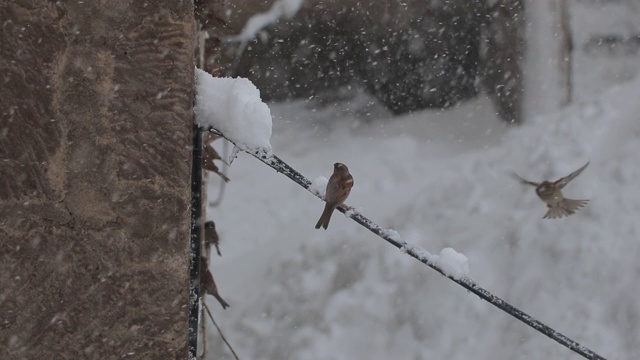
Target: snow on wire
x=423 y=256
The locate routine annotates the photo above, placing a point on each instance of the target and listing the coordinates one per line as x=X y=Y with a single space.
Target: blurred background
x=420 y=99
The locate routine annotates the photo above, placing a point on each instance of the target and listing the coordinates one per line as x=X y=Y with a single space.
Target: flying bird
x=551 y=194
x=338 y=189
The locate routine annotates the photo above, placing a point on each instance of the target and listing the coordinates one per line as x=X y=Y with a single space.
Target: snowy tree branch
x=424 y=257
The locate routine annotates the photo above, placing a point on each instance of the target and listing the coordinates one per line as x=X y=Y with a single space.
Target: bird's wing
x=562 y=182
x=523 y=181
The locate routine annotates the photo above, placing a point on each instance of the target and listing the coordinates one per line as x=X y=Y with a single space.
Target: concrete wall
x=96 y=103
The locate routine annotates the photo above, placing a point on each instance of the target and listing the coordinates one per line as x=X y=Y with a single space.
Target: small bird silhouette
x=551 y=194
x=208 y=284
x=211 y=237
x=338 y=189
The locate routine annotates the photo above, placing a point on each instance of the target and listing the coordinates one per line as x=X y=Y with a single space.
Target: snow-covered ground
x=441 y=179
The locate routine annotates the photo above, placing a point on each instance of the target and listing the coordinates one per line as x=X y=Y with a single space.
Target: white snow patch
x=234 y=107
x=391 y=234
x=452 y=263
x=420 y=253
x=353 y=211
x=279 y=9
x=319 y=186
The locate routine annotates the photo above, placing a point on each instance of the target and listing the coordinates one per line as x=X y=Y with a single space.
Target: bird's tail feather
x=325 y=217
x=565 y=208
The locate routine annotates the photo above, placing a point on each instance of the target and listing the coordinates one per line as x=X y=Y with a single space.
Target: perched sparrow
x=211 y=236
x=208 y=284
x=209 y=154
x=550 y=193
x=338 y=189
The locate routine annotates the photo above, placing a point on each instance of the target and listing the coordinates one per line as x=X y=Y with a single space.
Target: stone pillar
x=502 y=64
x=96 y=120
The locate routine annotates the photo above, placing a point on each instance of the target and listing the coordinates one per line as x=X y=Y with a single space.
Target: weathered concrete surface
x=96 y=113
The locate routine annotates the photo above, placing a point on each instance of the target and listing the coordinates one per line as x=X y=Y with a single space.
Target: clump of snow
x=319 y=185
x=391 y=234
x=417 y=251
x=452 y=263
x=279 y=9
x=353 y=211
x=234 y=107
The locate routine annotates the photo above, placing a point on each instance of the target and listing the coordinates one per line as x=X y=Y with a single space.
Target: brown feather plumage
x=338 y=189
x=551 y=193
